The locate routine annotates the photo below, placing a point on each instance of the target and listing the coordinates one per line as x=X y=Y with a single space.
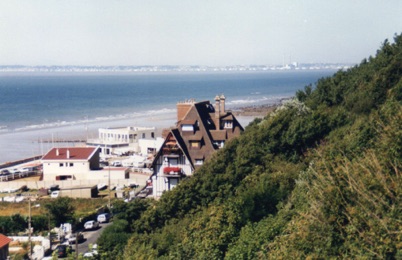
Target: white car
x=105 y=217
x=75 y=238
x=92 y=224
x=55 y=194
x=91 y=254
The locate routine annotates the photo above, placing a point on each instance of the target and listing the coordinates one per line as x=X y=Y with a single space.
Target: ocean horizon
x=38 y=106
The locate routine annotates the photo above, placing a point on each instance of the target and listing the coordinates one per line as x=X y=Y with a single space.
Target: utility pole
x=109 y=189
x=29 y=230
x=76 y=245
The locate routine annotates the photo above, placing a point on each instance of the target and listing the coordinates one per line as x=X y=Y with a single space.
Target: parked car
x=76 y=237
x=55 y=194
x=5 y=172
x=62 y=250
x=103 y=218
x=90 y=254
x=117 y=164
x=92 y=224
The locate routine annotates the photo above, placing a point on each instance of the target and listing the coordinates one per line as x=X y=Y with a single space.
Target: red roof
x=4 y=240
x=75 y=153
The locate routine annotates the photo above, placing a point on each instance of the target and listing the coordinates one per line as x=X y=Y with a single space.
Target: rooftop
x=70 y=153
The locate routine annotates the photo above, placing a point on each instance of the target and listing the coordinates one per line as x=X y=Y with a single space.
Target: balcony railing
x=172 y=171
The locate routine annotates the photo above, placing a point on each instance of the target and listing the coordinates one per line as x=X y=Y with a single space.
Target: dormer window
x=219 y=144
x=199 y=161
x=195 y=144
x=228 y=124
x=187 y=128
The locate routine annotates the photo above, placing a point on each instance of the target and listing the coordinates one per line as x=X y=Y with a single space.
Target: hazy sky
x=193 y=32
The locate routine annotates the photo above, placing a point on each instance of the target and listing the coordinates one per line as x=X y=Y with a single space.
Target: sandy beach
x=24 y=144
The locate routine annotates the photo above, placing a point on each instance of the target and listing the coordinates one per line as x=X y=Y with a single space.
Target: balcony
x=172 y=171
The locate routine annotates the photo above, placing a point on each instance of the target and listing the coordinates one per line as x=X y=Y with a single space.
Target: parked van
x=103 y=218
x=92 y=224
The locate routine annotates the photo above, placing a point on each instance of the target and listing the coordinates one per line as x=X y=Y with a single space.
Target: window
x=227 y=124
x=187 y=127
x=143 y=135
x=173 y=162
x=194 y=144
x=219 y=144
x=61 y=164
x=199 y=161
x=71 y=164
x=152 y=135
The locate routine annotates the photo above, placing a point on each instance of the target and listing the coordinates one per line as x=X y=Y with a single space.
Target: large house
x=201 y=129
x=77 y=163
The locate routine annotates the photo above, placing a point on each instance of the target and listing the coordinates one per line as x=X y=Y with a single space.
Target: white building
x=77 y=163
x=115 y=141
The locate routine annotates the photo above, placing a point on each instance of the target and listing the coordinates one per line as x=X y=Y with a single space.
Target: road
x=90 y=238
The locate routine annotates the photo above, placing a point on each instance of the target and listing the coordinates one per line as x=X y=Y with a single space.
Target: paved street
x=90 y=238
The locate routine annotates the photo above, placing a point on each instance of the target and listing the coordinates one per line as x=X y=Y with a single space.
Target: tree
x=61 y=210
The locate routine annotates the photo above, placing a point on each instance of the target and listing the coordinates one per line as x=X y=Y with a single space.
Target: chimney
x=68 y=154
x=57 y=152
x=222 y=104
x=183 y=108
x=217 y=107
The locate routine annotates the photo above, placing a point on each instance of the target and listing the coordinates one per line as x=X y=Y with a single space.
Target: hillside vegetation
x=318 y=178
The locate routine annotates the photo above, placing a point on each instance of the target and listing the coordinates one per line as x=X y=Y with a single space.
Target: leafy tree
x=61 y=210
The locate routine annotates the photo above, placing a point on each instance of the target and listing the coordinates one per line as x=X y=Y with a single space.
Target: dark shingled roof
x=208 y=130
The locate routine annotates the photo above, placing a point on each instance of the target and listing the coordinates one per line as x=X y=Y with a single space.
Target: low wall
x=26 y=160
x=139 y=179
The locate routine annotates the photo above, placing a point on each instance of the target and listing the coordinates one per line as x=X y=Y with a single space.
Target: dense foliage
x=318 y=178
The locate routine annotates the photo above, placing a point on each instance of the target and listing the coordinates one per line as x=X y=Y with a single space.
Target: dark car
x=62 y=250
x=5 y=172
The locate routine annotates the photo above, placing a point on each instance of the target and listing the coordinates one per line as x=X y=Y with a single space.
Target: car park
x=92 y=224
x=103 y=218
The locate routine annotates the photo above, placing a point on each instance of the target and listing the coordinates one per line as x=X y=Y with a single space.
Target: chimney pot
x=222 y=104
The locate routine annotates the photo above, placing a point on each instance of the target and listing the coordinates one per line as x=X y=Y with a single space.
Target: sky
x=194 y=32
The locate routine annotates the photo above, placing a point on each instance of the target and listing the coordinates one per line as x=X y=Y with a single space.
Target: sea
x=37 y=107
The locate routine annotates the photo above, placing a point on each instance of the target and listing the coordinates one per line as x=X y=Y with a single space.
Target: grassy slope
x=320 y=178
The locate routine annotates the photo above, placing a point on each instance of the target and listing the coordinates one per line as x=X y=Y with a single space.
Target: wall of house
x=52 y=169
x=161 y=183
x=94 y=162
x=144 y=144
x=4 y=252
